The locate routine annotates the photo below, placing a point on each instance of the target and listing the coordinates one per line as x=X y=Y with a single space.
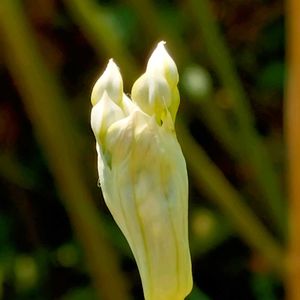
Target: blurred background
x=57 y=238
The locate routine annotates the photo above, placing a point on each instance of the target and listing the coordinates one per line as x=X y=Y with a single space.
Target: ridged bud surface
x=143 y=175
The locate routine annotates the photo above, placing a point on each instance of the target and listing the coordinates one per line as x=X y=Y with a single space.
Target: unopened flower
x=143 y=174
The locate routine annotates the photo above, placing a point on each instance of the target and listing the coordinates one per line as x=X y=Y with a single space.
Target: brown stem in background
x=292 y=119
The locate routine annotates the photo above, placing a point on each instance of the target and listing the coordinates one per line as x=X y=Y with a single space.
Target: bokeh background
x=57 y=238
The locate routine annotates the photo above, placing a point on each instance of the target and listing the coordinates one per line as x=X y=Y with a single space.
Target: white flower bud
x=152 y=94
x=148 y=172
x=156 y=90
x=110 y=82
x=143 y=175
x=160 y=62
x=104 y=114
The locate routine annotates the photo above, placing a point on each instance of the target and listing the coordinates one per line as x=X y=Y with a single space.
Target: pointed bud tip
x=161 y=62
x=112 y=66
x=159 y=51
x=111 y=82
x=161 y=44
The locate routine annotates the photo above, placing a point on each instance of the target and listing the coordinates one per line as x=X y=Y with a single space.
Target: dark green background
x=41 y=256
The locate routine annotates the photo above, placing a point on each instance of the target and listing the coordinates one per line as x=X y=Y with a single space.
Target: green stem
x=46 y=107
x=212 y=182
x=249 y=140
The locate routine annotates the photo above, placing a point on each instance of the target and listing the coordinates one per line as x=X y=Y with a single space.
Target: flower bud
x=156 y=91
x=152 y=94
x=110 y=82
x=150 y=205
x=143 y=177
x=104 y=114
x=160 y=62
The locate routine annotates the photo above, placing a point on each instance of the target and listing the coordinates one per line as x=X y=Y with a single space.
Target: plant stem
x=253 y=147
x=46 y=108
x=292 y=119
x=212 y=182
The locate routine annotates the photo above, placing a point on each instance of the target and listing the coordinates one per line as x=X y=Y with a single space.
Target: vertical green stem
x=51 y=119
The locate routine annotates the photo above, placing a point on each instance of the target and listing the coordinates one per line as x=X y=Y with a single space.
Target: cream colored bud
x=104 y=114
x=110 y=82
x=146 y=190
x=143 y=175
x=160 y=62
x=152 y=94
x=156 y=90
